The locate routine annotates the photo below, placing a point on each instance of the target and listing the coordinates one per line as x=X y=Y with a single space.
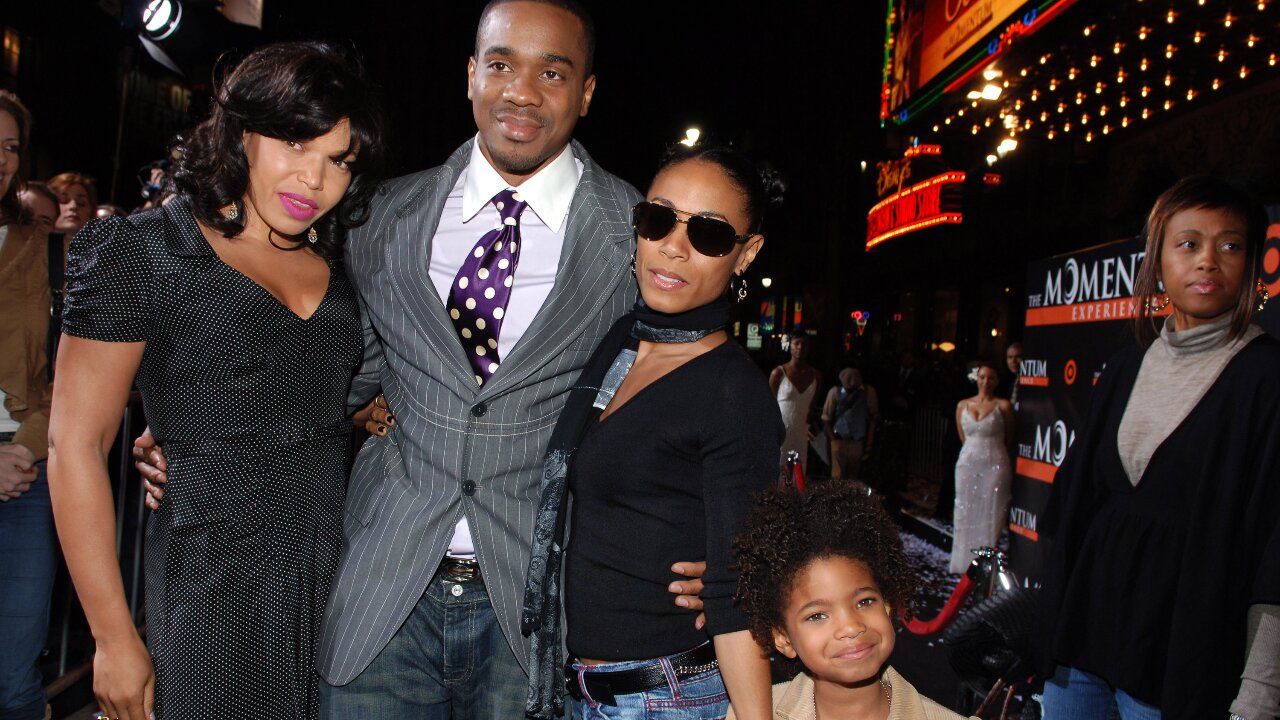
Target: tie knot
x=509 y=204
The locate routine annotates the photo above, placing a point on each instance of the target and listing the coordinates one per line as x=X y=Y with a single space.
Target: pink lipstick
x=300 y=207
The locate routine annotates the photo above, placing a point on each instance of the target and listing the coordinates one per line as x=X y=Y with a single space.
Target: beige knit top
x=1177 y=370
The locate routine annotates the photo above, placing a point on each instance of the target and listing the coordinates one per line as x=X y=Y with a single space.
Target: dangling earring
x=738 y=287
x=633 y=265
x=1263 y=295
x=230 y=211
x=312 y=235
x=1157 y=308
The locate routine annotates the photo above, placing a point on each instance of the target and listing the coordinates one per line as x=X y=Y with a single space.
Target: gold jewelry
x=1157 y=308
x=230 y=211
x=1263 y=295
x=312 y=235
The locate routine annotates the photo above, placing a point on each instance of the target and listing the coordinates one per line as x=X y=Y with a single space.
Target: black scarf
x=600 y=379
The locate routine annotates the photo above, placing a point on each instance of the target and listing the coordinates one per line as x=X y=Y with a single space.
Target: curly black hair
x=287 y=91
x=787 y=530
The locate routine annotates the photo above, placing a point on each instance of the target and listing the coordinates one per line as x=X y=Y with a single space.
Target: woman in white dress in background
x=983 y=471
x=795 y=385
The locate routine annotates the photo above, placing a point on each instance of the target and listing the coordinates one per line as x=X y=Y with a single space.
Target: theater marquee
x=936 y=200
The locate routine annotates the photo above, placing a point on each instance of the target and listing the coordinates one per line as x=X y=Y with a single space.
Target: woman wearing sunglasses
x=694 y=418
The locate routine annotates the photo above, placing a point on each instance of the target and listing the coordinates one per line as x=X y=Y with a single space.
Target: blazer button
x=469 y=488
x=479 y=409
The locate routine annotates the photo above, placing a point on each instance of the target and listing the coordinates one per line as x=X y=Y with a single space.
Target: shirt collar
x=548 y=192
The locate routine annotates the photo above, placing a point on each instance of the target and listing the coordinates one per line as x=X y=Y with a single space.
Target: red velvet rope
x=948 y=613
x=799 y=477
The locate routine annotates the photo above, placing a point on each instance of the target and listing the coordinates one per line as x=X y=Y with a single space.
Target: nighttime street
x=950 y=312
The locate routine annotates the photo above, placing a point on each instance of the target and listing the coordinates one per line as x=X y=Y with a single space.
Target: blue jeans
x=449 y=660
x=28 y=561
x=1073 y=694
x=700 y=697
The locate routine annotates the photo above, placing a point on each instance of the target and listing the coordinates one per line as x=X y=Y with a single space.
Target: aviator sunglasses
x=709 y=236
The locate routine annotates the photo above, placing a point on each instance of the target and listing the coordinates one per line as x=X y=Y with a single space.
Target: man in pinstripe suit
x=459 y=476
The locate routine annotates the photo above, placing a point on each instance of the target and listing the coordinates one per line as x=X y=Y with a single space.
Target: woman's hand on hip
x=688 y=592
x=376 y=417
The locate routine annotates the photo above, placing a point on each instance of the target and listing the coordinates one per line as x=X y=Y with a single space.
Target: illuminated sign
x=932 y=46
x=934 y=201
x=925 y=204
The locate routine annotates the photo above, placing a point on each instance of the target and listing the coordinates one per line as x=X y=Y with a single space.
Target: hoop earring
x=230 y=211
x=1157 y=308
x=738 y=287
x=1263 y=296
x=312 y=235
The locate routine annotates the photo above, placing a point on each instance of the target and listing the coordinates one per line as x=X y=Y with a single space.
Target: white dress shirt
x=468 y=214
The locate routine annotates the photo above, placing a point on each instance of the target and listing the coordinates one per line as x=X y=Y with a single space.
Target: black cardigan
x=1148 y=587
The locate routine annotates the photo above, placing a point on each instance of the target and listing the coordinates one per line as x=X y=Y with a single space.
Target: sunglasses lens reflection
x=711 y=237
x=652 y=222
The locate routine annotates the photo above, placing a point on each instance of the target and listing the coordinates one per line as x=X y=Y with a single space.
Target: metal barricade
x=925 y=457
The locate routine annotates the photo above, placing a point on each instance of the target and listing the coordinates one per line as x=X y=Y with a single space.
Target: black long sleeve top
x=668 y=476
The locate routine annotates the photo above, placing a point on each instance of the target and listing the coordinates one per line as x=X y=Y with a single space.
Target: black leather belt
x=605 y=686
x=459 y=569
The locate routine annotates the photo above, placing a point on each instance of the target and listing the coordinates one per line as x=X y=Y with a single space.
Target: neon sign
x=916 y=207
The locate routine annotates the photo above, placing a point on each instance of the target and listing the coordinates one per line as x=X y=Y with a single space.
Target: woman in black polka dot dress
x=231 y=311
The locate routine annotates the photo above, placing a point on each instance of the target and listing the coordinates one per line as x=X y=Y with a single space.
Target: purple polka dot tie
x=480 y=292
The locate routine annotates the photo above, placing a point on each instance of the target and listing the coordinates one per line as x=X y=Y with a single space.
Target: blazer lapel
x=408 y=255
x=597 y=245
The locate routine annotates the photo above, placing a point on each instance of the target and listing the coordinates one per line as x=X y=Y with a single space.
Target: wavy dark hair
x=288 y=91
x=761 y=185
x=787 y=530
x=9 y=207
x=1191 y=193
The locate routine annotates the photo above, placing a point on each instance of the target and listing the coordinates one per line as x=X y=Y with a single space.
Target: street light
x=766 y=282
x=691 y=137
x=161 y=18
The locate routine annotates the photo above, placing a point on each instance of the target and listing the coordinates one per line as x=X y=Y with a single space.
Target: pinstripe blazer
x=457 y=447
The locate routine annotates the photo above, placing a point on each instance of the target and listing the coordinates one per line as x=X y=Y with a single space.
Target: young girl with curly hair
x=821 y=576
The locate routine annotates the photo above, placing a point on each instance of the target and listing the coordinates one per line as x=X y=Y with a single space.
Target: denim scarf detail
x=541 y=613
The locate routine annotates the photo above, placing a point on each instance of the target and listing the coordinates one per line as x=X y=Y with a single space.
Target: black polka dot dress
x=248 y=401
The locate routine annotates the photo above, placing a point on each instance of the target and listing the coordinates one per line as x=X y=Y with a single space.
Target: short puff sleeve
x=108 y=283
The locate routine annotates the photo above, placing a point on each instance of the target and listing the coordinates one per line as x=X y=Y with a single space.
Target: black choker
x=684 y=327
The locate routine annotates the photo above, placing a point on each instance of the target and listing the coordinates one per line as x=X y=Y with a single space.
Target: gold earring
x=1157 y=308
x=230 y=211
x=1263 y=295
x=312 y=235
